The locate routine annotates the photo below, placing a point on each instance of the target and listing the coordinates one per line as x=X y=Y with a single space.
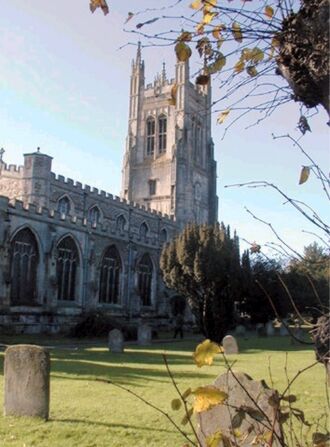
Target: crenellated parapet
x=131 y=231
x=12 y=168
x=68 y=185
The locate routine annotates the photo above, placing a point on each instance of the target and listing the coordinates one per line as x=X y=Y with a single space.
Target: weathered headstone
x=270 y=329
x=283 y=330
x=250 y=409
x=298 y=335
x=116 y=341
x=230 y=345
x=261 y=330
x=240 y=330
x=26 y=374
x=144 y=335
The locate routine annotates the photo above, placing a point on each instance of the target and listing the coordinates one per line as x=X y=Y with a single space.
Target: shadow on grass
x=110 y=425
x=124 y=368
x=255 y=344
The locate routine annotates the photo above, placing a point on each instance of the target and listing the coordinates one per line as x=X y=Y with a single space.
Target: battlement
x=14 y=169
x=77 y=187
x=109 y=228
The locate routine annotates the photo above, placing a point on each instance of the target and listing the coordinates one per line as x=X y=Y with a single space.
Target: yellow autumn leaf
x=199 y=28
x=196 y=4
x=185 y=36
x=252 y=71
x=205 y=352
x=183 y=52
x=207 y=397
x=222 y=116
x=209 y=4
x=239 y=66
x=208 y=17
x=176 y=404
x=304 y=174
x=217 y=65
x=216 y=32
x=246 y=54
x=214 y=440
x=237 y=32
x=269 y=12
x=257 y=55
x=94 y=4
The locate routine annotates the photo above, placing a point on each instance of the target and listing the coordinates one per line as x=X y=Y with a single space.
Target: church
x=68 y=248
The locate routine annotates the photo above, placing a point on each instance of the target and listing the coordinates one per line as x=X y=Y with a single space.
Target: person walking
x=178 y=326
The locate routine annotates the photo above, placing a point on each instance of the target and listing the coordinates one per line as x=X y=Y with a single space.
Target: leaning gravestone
x=116 y=341
x=144 y=335
x=230 y=345
x=26 y=374
x=270 y=331
x=250 y=409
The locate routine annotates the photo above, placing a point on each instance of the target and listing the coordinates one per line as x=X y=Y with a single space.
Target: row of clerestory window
x=156 y=136
x=94 y=217
x=64 y=208
x=25 y=261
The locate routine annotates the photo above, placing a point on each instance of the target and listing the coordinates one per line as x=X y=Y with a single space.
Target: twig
x=149 y=405
x=182 y=398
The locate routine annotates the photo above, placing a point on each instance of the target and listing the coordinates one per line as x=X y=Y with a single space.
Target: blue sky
x=64 y=87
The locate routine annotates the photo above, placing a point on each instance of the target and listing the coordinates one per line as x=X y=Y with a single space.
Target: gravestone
x=283 y=330
x=240 y=330
x=144 y=335
x=298 y=334
x=229 y=344
x=116 y=341
x=261 y=330
x=250 y=409
x=270 y=329
x=26 y=374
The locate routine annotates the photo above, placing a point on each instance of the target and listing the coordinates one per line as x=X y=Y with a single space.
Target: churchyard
x=88 y=413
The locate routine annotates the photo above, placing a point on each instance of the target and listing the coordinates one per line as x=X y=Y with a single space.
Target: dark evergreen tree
x=203 y=264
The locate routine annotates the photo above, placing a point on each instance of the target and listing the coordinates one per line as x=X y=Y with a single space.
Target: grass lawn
x=86 y=413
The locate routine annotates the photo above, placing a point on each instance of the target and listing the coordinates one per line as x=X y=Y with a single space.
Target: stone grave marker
x=26 y=375
x=250 y=408
x=116 y=341
x=240 y=330
x=270 y=331
x=261 y=330
x=230 y=345
x=144 y=335
x=283 y=330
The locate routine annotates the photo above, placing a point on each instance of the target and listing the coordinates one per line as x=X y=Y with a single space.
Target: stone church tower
x=169 y=161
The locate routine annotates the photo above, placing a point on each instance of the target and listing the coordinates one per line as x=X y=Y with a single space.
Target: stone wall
x=49 y=227
x=11 y=181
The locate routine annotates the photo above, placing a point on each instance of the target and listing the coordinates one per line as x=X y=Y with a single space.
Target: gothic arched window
x=64 y=205
x=163 y=236
x=162 y=133
x=150 y=136
x=144 y=230
x=94 y=215
x=67 y=269
x=110 y=277
x=24 y=264
x=121 y=223
x=144 y=272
